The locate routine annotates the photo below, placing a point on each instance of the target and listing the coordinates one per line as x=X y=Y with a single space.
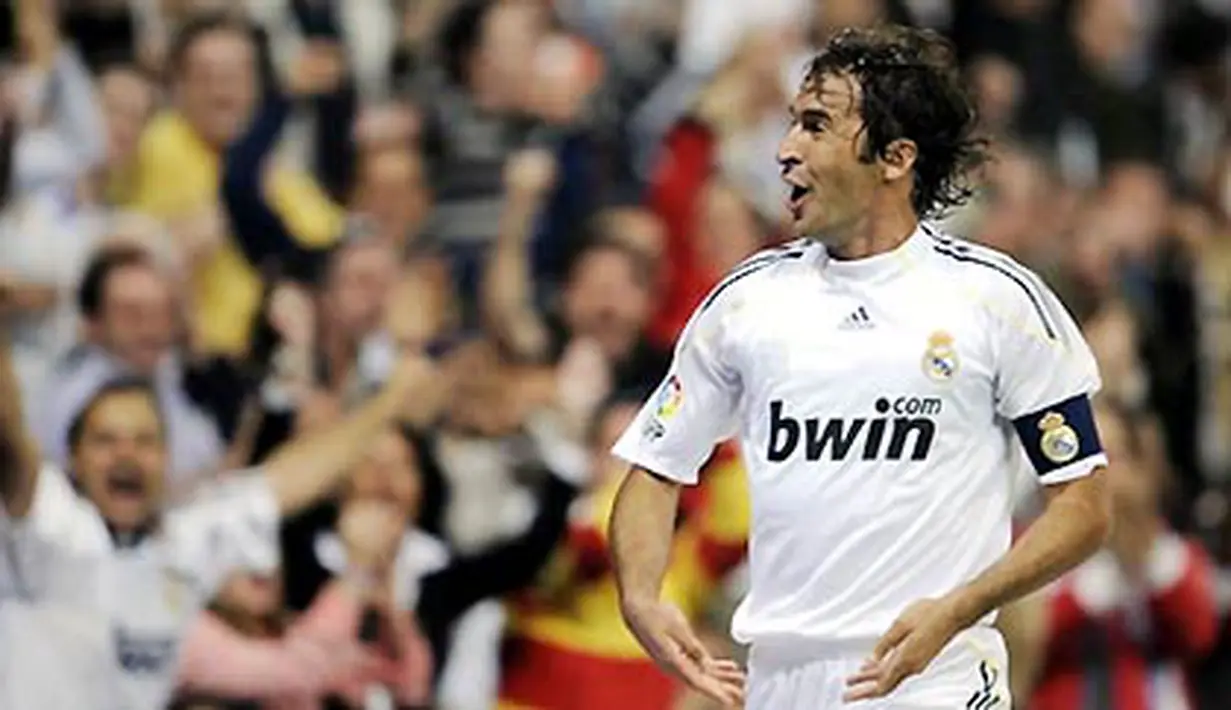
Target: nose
x=788 y=153
x=787 y=162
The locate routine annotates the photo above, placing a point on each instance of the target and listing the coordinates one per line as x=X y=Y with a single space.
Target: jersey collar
x=879 y=266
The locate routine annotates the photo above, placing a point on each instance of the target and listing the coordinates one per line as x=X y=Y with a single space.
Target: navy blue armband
x=1059 y=435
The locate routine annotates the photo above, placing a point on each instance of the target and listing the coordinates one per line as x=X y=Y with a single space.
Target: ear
x=897 y=160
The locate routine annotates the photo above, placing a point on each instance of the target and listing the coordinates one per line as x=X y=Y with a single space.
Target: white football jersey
x=123 y=612
x=880 y=405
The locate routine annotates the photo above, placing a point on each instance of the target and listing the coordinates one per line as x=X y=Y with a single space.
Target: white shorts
x=971 y=673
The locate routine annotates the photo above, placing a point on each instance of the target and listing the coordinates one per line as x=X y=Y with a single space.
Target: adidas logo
x=857 y=320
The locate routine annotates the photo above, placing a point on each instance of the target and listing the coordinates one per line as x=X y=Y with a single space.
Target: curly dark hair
x=911 y=88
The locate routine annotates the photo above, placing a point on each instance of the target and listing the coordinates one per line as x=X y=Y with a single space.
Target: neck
x=128 y=536
x=885 y=226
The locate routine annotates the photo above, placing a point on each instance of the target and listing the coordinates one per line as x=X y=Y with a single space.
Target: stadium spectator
x=132 y=328
x=216 y=85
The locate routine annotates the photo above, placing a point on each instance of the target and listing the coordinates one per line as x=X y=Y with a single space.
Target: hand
x=383 y=126
x=419 y=387
x=666 y=635
x=412 y=371
x=906 y=649
x=583 y=379
x=745 y=88
x=371 y=530
x=200 y=232
x=293 y=315
x=316 y=410
x=413 y=311
x=529 y=174
x=317 y=70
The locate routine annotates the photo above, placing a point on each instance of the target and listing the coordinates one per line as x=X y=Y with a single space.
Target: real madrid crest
x=1059 y=442
x=940 y=361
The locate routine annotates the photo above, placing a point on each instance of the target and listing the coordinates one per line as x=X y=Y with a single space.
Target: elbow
x=1099 y=525
x=1101 y=522
x=1094 y=510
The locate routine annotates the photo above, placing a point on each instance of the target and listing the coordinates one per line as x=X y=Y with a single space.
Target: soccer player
x=882 y=379
x=99 y=587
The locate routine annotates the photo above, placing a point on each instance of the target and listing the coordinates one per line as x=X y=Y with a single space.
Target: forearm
x=221 y=661
x=18 y=455
x=309 y=466
x=1072 y=527
x=334 y=150
x=78 y=116
x=1023 y=623
x=20 y=297
x=642 y=528
x=507 y=284
x=260 y=232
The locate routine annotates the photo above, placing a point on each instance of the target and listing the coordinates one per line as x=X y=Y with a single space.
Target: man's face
x=217 y=87
x=830 y=187
x=358 y=286
x=127 y=100
x=121 y=458
x=392 y=193
x=136 y=322
x=502 y=63
x=606 y=301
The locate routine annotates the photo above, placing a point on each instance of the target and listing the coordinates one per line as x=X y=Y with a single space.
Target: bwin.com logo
x=904 y=429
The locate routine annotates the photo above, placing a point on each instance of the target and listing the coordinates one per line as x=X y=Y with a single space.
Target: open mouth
x=795 y=198
x=126 y=484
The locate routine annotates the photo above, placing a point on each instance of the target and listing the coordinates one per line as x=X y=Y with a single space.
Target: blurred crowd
x=255 y=204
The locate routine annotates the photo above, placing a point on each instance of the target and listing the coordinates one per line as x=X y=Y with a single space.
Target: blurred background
x=256 y=202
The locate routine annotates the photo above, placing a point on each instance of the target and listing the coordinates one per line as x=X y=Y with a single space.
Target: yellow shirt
x=178 y=175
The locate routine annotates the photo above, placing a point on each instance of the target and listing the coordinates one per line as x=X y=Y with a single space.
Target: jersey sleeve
x=1044 y=380
x=56 y=534
x=228 y=526
x=693 y=408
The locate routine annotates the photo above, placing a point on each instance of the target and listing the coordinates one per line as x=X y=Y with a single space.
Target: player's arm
x=672 y=435
x=1073 y=526
x=19 y=459
x=1024 y=625
x=1045 y=376
x=642 y=529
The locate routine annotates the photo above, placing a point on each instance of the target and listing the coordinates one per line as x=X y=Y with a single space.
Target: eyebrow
x=810 y=112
